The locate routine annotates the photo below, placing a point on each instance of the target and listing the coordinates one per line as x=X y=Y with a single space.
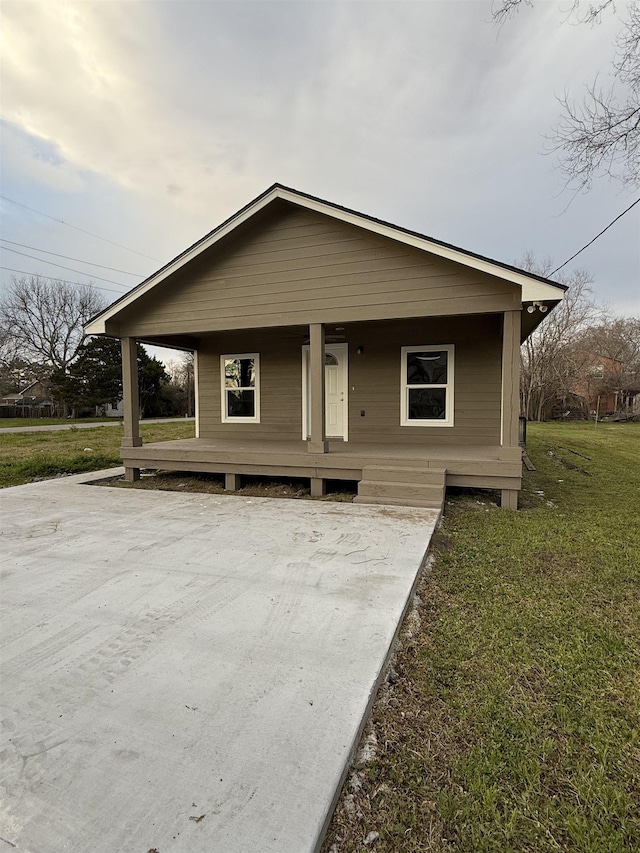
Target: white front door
x=335 y=391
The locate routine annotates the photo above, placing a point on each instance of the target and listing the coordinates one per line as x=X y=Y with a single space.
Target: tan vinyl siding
x=373 y=378
x=280 y=384
x=300 y=267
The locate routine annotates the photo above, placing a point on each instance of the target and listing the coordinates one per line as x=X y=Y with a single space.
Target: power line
x=54 y=264
x=596 y=237
x=69 y=258
x=69 y=225
x=63 y=280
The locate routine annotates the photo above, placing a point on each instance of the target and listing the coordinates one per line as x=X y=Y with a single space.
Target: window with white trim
x=240 y=381
x=427 y=386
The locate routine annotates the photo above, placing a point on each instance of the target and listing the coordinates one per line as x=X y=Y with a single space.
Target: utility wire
x=633 y=204
x=63 y=280
x=69 y=258
x=54 y=264
x=69 y=225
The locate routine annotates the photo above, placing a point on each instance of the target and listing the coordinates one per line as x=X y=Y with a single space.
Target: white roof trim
x=532 y=289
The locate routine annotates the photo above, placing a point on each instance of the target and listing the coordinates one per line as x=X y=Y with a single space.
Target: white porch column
x=131 y=437
x=317 y=441
x=510 y=393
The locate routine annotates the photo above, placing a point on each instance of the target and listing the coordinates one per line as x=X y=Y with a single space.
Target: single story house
x=34 y=400
x=332 y=345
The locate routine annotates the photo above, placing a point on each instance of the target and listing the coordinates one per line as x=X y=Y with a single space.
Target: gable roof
x=535 y=288
x=44 y=382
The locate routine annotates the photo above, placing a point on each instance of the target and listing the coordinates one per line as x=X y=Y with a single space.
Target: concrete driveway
x=189 y=673
x=109 y=423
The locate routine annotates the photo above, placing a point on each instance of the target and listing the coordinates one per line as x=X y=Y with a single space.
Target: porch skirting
x=390 y=474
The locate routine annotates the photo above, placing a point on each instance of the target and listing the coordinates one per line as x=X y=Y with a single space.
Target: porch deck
x=404 y=469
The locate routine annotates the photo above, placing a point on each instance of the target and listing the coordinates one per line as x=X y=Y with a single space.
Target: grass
x=25 y=457
x=513 y=722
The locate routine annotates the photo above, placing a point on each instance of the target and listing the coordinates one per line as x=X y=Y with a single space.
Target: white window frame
x=447 y=421
x=228 y=419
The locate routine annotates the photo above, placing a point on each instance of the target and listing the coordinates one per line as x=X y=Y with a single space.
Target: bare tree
x=601 y=134
x=9 y=350
x=182 y=377
x=45 y=319
x=616 y=343
x=551 y=361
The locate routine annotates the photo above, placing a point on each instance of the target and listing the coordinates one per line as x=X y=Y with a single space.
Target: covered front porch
x=287 y=434
x=386 y=473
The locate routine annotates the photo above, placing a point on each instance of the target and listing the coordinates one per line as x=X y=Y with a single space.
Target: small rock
x=371 y=838
x=349 y=804
x=88 y=450
x=368 y=751
x=393 y=677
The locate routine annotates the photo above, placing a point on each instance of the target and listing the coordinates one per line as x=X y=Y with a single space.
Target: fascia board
x=96 y=327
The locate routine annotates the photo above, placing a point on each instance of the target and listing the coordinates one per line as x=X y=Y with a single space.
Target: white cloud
x=421 y=113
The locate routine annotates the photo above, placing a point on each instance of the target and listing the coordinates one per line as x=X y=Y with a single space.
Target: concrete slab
x=189 y=673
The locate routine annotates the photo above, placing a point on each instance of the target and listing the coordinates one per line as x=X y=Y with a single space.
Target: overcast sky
x=148 y=123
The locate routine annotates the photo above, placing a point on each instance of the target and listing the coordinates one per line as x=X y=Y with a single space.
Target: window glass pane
x=239 y=373
x=241 y=404
x=427 y=368
x=329 y=358
x=427 y=404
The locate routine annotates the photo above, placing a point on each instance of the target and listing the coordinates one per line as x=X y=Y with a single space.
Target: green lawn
x=514 y=722
x=25 y=457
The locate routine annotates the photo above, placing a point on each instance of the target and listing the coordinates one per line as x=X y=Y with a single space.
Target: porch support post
x=317 y=442
x=510 y=379
x=510 y=394
x=318 y=487
x=131 y=420
x=231 y=482
x=509 y=499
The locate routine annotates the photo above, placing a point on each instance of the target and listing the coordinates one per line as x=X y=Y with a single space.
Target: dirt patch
x=569 y=465
x=251 y=486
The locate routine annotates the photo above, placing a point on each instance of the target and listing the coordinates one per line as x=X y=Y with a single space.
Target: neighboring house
x=114 y=409
x=32 y=401
x=331 y=345
x=600 y=385
x=602 y=389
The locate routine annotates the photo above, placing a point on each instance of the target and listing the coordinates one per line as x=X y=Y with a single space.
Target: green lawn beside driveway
x=25 y=457
x=514 y=720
